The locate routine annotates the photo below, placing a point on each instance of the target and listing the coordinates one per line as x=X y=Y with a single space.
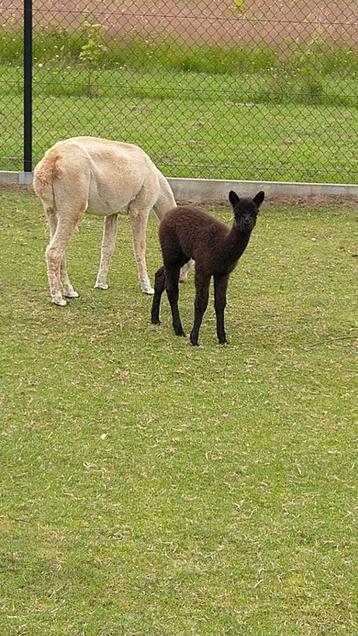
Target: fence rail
x=229 y=89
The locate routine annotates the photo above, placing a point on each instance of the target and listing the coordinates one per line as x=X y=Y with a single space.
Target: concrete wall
x=210 y=190
x=15 y=178
x=216 y=190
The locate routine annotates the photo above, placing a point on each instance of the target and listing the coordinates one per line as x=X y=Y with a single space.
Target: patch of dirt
x=201 y=21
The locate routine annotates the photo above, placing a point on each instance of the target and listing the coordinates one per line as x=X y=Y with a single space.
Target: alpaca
x=187 y=233
x=88 y=174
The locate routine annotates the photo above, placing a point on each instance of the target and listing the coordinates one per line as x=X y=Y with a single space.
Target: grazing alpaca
x=187 y=233
x=88 y=174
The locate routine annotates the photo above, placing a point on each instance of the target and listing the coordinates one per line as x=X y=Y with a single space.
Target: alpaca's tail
x=44 y=175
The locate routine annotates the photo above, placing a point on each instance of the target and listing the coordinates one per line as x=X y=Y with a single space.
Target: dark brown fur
x=186 y=233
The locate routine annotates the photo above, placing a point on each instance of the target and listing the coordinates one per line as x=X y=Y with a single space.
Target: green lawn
x=244 y=126
x=149 y=488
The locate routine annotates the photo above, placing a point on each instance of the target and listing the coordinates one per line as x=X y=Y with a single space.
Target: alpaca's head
x=246 y=210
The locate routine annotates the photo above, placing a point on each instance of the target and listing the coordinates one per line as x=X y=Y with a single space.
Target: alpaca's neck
x=165 y=199
x=164 y=203
x=235 y=244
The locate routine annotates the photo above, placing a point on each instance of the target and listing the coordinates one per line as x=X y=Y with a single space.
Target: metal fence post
x=27 y=85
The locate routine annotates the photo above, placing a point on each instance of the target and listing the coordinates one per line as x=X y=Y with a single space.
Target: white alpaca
x=87 y=174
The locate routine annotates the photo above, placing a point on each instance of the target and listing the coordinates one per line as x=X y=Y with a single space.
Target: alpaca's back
x=107 y=174
x=190 y=231
x=187 y=232
x=103 y=177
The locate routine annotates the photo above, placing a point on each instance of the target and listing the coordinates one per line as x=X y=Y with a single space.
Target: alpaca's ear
x=233 y=198
x=259 y=198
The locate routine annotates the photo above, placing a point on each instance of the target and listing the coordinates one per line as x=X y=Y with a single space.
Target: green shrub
x=296 y=73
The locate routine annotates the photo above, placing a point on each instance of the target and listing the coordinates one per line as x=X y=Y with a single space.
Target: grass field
x=246 y=112
x=150 y=488
x=221 y=133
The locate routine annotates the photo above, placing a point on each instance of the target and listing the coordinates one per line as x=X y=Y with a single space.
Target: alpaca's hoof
x=149 y=291
x=60 y=302
x=224 y=343
x=101 y=286
x=178 y=329
x=155 y=321
x=71 y=294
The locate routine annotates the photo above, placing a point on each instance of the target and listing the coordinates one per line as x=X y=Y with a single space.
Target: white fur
x=88 y=174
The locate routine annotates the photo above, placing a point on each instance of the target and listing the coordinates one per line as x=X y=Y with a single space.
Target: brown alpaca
x=102 y=177
x=187 y=233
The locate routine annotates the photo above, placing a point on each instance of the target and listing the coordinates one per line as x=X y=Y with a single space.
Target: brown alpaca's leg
x=159 y=286
x=108 y=245
x=172 y=286
x=220 y=287
x=202 y=282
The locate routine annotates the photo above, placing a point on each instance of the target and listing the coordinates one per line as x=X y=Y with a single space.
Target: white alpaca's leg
x=139 y=218
x=108 y=244
x=55 y=253
x=67 y=287
x=68 y=290
x=185 y=271
x=53 y=264
x=52 y=220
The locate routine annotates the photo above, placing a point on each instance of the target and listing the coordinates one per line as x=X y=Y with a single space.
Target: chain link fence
x=233 y=89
